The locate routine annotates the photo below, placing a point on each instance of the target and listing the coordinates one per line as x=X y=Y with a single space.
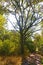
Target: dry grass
x=10 y=60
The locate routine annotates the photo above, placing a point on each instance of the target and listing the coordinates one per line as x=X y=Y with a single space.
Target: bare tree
x=27 y=16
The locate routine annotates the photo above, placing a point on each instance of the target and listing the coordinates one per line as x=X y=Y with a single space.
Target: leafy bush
x=41 y=49
x=41 y=61
x=4 y=50
x=8 y=47
x=31 y=46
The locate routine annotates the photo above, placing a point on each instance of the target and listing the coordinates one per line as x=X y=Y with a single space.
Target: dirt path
x=34 y=59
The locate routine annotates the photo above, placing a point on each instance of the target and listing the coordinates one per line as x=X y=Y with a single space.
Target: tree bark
x=22 y=42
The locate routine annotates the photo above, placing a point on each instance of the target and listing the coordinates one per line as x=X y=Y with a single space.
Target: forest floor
x=16 y=60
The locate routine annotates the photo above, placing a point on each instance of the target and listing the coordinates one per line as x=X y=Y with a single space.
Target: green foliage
x=2 y=21
x=2 y=9
x=9 y=42
x=41 y=49
x=31 y=46
x=1 y=43
x=42 y=61
x=35 y=2
x=38 y=40
x=4 y=49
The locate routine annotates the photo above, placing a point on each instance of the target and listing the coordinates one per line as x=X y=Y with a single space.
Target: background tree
x=38 y=40
x=2 y=21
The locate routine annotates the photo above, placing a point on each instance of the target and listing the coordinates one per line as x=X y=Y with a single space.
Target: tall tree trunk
x=24 y=61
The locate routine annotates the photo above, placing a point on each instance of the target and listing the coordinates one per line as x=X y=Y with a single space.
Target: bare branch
x=32 y=32
x=26 y=19
x=31 y=25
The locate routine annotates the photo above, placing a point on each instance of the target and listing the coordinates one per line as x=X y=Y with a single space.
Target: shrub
x=4 y=50
x=41 y=49
x=31 y=46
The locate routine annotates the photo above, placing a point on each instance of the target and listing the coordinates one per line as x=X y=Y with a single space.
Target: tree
x=27 y=17
x=9 y=42
x=38 y=40
x=2 y=20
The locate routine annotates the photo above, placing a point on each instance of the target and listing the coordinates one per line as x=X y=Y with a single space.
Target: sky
x=13 y=20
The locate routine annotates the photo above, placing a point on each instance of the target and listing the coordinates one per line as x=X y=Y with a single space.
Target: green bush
x=41 y=49
x=8 y=47
x=31 y=46
x=41 y=61
x=4 y=50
